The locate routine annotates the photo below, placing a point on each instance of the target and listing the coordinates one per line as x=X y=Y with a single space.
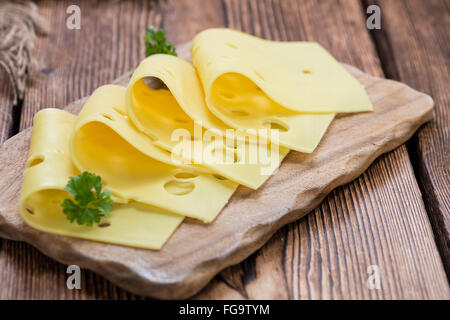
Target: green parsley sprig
x=91 y=203
x=155 y=42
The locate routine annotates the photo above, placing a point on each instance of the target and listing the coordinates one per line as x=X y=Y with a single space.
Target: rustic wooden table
x=395 y=216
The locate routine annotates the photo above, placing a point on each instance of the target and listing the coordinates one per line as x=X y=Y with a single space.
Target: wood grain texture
x=6 y=107
x=6 y=131
x=197 y=252
x=414 y=42
x=283 y=268
x=340 y=27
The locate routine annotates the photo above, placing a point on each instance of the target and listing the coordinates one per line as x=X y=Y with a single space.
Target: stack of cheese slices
x=237 y=84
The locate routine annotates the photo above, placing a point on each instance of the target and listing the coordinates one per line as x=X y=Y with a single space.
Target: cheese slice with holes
x=296 y=87
x=48 y=169
x=165 y=94
x=105 y=142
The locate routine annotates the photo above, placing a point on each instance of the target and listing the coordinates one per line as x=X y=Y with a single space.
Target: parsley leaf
x=155 y=42
x=91 y=203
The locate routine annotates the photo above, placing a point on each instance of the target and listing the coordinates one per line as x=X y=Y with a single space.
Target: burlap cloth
x=19 y=23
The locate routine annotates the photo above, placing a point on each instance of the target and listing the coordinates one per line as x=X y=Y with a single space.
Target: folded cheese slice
x=296 y=87
x=178 y=103
x=104 y=141
x=48 y=169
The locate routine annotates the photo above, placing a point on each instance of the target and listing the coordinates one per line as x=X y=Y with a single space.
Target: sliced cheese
x=105 y=142
x=176 y=106
x=48 y=169
x=126 y=135
x=296 y=87
x=180 y=104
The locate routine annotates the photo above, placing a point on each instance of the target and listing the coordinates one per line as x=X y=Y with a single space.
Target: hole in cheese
x=182 y=120
x=107 y=116
x=29 y=211
x=228 y=95
x=35 y=161
x=184 y=175
x=179 y=188
x=276 y=125
x=259 y=75
x=121 y=112
x=305 y=71
x=104 y=224
x=240 y=112
x=154 y=83
x=231 y=45
x=226 y=155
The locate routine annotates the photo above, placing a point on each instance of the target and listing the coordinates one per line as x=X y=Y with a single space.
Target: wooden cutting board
x=197 y=252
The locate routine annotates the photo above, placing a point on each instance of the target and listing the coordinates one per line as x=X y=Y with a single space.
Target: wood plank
x=414 y=41
x=326 y=254
x=6 y=131
x=278 y=20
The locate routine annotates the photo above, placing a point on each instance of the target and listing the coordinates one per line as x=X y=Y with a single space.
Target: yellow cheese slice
x=153 y=110
x=105 y=142
x=295 y=87
x=48 y=169
x=180 y=104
